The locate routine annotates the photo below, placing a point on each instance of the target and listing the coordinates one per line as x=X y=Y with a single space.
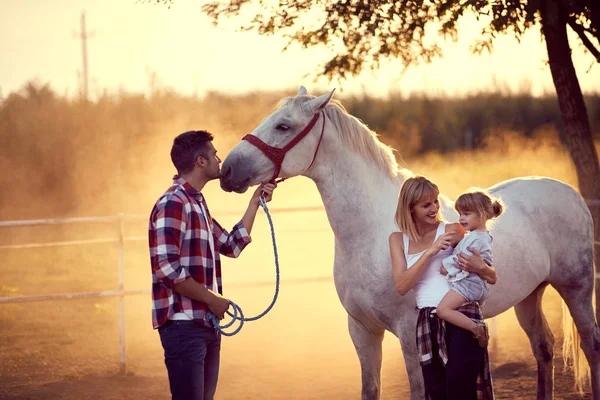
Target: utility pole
x=84 y=36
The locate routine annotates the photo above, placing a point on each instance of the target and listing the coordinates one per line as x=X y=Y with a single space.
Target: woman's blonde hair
x=478 y=201
x=412 y=191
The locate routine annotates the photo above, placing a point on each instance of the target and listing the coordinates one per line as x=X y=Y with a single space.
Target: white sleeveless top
x=431 y=286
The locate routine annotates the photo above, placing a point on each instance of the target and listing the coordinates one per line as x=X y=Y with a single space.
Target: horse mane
x=357 y=136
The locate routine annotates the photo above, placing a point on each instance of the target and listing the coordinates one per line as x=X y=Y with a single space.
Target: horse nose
x=225 y=171
x=226 y=178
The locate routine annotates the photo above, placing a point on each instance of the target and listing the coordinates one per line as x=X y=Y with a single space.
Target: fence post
x=121 y=253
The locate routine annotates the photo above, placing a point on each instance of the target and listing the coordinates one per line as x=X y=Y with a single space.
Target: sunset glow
x=132 y=40
x=80 y=176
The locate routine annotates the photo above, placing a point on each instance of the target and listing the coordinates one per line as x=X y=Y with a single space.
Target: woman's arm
x=406 y=278
x=475 y=263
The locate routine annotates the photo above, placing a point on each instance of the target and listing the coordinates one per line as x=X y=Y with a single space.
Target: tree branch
x=586 y=41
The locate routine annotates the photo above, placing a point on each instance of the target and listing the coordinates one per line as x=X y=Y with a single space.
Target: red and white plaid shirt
x=180 y=249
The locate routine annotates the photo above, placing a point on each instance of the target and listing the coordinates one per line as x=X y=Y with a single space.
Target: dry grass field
x=69 y=349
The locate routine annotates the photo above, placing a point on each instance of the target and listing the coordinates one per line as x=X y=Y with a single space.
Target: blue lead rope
x=238 y=315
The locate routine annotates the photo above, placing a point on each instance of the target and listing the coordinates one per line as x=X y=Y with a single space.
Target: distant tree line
x=421 y=123
x=57 y=153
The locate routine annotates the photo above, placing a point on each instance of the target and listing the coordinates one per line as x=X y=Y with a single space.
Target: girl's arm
x=406 y=278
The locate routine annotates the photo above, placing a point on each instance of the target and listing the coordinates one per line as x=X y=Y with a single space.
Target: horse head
x=285 y=144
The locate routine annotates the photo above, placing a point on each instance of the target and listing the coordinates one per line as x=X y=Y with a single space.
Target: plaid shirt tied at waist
x=181 y=234
x=424 y=344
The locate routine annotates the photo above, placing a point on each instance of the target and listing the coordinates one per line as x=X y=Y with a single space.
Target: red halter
x=277 y=155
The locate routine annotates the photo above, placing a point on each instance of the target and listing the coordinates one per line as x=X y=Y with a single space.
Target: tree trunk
x=577 y=136
x=595 y=16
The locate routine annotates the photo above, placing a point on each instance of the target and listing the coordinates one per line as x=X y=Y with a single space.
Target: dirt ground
x=69 y=349
x=512 y=381
x=297 y=355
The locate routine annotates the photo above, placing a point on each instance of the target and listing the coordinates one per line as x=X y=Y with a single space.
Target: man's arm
x=170 y=222
x=250 y=214
x=216 y=303
x=232 y=244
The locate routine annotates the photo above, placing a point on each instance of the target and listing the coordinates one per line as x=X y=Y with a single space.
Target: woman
x=451 y=359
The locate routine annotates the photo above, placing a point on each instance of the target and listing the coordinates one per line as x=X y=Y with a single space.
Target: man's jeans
x=192 y=354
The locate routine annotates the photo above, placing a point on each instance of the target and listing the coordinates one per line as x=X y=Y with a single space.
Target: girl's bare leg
x=446 y=310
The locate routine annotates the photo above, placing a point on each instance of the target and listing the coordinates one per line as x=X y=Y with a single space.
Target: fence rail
x=134 y=217
x=120 y=241
x=114 y=293
x=61 y=296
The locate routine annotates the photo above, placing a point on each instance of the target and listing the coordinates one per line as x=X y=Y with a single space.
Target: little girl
x=475 y=209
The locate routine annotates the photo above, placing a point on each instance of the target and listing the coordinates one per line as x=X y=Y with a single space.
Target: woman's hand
x=469 y=263
x=444 y=241
x=475 y=264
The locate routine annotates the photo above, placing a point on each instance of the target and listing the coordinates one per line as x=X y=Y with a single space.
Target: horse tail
x=572 y=353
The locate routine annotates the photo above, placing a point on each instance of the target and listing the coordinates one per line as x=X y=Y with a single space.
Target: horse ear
x=302 y=91
x=318 y=103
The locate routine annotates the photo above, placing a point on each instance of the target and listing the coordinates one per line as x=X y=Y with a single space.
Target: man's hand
x=250 y=214
x=267 y=188
x=218 y=305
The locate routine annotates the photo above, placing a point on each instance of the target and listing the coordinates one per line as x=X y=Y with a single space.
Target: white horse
x=544 y=237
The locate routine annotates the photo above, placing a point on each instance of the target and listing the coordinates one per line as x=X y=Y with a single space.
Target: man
x=185 y=243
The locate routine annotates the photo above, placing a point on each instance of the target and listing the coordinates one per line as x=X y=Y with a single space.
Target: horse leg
x=533 y=321
x=577 y=294
x=368 y=347
x=408 y=340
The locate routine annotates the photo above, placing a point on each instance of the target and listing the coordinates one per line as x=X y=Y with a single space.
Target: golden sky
x=132 y=40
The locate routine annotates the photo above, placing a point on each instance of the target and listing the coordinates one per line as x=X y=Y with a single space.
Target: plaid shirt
x=180 y=249
x=485 y=390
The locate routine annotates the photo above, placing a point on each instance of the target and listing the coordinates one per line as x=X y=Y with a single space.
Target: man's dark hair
x=187 y=147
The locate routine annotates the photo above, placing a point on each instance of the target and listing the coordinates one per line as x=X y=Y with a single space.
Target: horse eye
x=282 y=127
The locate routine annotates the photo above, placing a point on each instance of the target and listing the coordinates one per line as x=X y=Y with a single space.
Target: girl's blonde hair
x=479 y=202
x=412 y=191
